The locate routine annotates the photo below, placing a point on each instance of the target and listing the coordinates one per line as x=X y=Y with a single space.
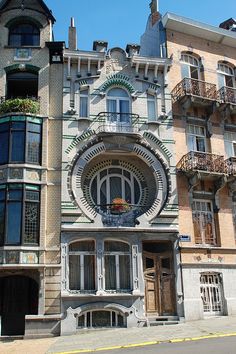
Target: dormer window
x=24 y=34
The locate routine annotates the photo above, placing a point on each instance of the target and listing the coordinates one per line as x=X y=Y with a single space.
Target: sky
x=120 y=22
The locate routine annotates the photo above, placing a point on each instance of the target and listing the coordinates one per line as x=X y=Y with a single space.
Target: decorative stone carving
x=16 y=173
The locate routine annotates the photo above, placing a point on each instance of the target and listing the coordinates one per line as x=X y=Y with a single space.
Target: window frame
x=118 y=99
x=151 y=99
x=34 y=37
x=26 y=130
x=194 y=136
x=186 y=60
x=24 y=188
x=226 y=74
x=202 y=213
x=86 y=96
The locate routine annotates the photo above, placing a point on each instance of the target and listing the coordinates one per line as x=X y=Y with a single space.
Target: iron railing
x=231 y=166
x=193 y=87
x=202 y=161
x=227 y=94
x=32 y=98
x=113 y=122
x=115 y=215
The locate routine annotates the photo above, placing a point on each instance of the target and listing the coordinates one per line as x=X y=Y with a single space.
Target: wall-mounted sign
x=185 y=238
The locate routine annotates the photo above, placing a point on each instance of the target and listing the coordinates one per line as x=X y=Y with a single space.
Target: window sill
x=68 y=294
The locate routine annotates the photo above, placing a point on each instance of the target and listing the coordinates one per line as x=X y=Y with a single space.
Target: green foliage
x=24 y=105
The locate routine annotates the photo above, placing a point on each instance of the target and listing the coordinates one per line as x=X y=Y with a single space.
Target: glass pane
x=111 y=108
x=83 y=112
x=14 y=213
x=136 y=191
x=115 y=188
x=33 y=147
x=94 y=191
x=83 y=246
x=4 y=147
x=128 y=193
x=32 y=195
x=194 y=72
x=101 y=319
x=15 y=195
x=124 y=272
x=18 y=126
x=117 y=92
x=151 y=110
x=229 y=81
x=2 y=195
x=200 y=144
x=74 y=272
x=2 y=222
x=81 y=321
x=31 y=234
x=115 y=246
x=103 y=194
x=89 y=273
x=18 y=146
x=110 y=272
x=124 y=112
x=36 y=128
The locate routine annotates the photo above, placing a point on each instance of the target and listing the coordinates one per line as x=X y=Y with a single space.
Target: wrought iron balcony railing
x=193 y=87
x=113 y=122
x=231 y=166
x=227 y=94
x=116 y=215
x=202 y=161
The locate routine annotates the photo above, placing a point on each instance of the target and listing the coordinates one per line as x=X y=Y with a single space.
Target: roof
x=199 y=29
x=4 y=3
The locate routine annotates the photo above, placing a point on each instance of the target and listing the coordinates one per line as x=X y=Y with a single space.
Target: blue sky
x=123 y=21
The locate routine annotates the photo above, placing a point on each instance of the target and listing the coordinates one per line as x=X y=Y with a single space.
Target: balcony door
x=118 y=108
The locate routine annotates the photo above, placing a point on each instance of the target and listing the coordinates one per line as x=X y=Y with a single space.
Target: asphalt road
x=205 y=346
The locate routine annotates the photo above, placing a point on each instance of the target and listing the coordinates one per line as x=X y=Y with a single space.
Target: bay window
x=20 y=142
x=19 y=214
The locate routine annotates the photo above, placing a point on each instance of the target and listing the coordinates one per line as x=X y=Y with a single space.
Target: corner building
x=30 y=162
x=120 y=262
x=202 y=84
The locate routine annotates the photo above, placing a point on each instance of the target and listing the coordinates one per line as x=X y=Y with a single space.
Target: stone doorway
x=159 y=279
x=18 y=297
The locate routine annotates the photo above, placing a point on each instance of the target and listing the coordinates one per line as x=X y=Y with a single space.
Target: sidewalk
x=122 y=337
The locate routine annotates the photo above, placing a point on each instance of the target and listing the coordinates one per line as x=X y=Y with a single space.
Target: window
x=22 y=85
x=83 y=106
x=115 y=182
x=118 y=106
x=117 y=266
x=230 y=143
x=226 y=76
x=24 y=34
x=82 y=266
x=189 y=67
x=19 y=214
x=101 y=318
x=196 y=138
x=203 y=221
x=151 y=108
x=20 y=142
x=212 y=293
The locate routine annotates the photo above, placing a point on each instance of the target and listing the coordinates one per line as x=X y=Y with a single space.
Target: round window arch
x=24 y=33
x=115 y=182
x=118 y=106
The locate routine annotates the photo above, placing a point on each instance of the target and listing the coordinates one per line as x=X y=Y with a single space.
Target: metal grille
x=211 y=294
x=203 y=220
x=31 y=222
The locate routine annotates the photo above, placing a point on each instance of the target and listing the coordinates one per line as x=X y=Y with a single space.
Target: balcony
x=119 y=215
x=20 y=105
x=118 y=123
x=200 y=92
x=231 y=166
x=227 y=96
x=202 y=162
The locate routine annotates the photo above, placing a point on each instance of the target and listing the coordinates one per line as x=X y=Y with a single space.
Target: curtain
x=89 y=276
x=110 y=272
x=124 y=111
x=74 y=272
x=124 y=272
x=83 y=106
x=111 y=108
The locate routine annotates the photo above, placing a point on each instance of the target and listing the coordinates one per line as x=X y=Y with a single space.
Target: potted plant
x=119 y=205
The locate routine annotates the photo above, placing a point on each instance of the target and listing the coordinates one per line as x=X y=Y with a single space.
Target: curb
x=144 y=344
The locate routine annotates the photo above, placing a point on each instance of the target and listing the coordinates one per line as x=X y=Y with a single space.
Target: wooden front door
x=159 y=284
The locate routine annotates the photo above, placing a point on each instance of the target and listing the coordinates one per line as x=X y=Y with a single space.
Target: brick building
x=202 y=81
x=30 y=163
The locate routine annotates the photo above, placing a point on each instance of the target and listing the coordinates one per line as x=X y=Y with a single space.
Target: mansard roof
x=48 y=12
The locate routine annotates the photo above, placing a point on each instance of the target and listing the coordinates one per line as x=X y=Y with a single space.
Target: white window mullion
x=82 y=272
x=117 y=272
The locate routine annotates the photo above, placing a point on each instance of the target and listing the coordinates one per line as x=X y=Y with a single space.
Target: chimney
x=229 y=24
x=72 y=35
x=154 y=6
x=132 y=49
x=100 y=46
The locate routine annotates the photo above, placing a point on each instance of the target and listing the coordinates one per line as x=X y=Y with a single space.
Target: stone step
x=162 y=320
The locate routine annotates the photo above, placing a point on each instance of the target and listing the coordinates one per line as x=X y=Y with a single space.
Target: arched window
x=115 y=182
x=82 y=266
x=117 y=266
x=22 y=84
x=190 y=66
x=24 y=34
x=226 y=75
x=118 y=106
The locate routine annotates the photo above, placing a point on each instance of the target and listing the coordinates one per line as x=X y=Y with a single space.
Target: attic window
x=24 y=34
